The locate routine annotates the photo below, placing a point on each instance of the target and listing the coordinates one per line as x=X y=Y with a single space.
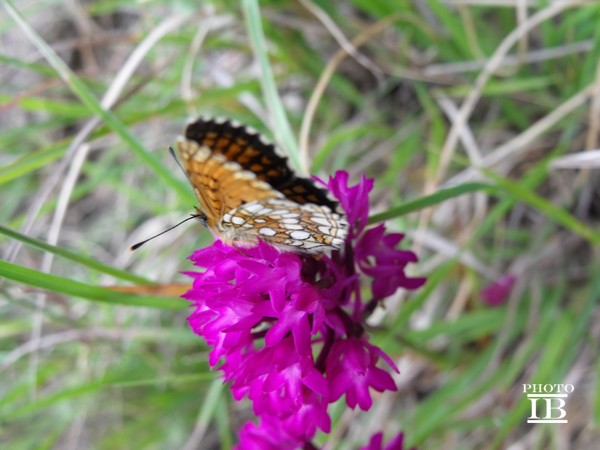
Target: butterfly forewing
x=219 y=185
x=249 y=149
x=303 y=190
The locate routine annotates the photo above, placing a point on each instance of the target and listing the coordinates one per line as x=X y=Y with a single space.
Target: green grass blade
x=282 y=129
x=31 y=162
x=66 y=286
x=552 y=211
x=430 y=200
x=68 y=254
x=87 y=97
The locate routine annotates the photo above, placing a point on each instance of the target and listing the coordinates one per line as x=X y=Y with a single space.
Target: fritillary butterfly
x=247 y=191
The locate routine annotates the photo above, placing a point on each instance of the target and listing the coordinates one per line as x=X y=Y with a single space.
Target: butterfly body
x=246 y=191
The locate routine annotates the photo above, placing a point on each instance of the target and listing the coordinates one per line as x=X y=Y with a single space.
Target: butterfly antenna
x=139 y=244
x=172 y=152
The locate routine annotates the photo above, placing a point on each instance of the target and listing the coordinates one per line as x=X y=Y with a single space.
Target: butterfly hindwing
x=286 y=224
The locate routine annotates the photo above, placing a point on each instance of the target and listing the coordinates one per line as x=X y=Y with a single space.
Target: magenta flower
x=351 y=370
x=376 y=443
x=377 y=257
x=354 y=200
x=287 y=331
x=267 y=435
x=494 y=294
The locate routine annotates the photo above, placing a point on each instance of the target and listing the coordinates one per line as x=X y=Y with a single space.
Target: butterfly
x=247 y=191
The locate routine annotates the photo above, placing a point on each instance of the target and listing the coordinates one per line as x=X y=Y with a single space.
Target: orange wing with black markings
x=246 y=147
x=220 y=185
x=246 y=191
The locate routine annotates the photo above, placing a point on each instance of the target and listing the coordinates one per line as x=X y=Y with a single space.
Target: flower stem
x=327 y=344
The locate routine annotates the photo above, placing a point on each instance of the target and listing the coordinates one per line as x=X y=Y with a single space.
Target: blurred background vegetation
x=496 y=100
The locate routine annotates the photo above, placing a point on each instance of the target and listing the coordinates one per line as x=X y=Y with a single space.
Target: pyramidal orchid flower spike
x=288 y=331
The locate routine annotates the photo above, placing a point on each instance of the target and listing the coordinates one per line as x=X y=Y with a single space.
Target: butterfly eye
x=201 y=217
